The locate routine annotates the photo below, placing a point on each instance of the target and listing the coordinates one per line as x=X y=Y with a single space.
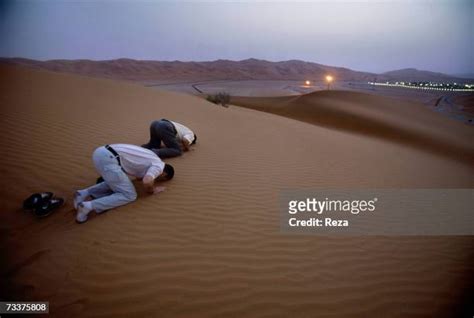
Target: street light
x=329 y=80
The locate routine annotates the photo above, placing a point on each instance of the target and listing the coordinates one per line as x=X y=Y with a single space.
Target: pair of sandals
x=42 y=204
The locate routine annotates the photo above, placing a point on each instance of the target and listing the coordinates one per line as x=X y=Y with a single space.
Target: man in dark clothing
x=175 y=137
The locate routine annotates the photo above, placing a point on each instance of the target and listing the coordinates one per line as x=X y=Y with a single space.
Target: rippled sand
x=210 y=245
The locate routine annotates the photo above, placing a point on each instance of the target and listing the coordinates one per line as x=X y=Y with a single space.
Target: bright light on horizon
x=329 y=79
x=307 y=83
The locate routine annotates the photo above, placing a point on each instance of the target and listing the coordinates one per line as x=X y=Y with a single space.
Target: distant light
x=329 y=78
x=307 y=83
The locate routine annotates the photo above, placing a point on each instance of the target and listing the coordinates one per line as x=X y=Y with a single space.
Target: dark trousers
x=163 y=130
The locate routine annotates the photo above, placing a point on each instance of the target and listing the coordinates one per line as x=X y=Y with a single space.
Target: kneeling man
x=175 y=137
x=113 y=163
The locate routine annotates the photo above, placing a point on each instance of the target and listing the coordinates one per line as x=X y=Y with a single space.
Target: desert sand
x=404 y=122
x=239 y=88
x=210 y=245
x=257 y=78
x=452 y=104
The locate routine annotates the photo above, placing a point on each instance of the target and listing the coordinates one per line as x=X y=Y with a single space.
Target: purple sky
x=374 y=36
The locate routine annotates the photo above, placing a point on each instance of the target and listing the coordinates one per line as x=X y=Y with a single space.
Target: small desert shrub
x=219 y=98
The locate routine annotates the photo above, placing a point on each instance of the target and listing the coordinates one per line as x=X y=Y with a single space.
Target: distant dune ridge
x=210 y=245
x=143 y=70
x=403 y=122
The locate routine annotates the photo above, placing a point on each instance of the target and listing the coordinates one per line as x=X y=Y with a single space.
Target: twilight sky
x=375 y=36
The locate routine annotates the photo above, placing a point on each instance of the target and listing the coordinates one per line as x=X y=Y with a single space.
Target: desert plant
x=219 y=98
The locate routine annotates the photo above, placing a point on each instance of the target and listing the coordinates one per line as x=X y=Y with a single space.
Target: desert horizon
x=187 y=180
x=451 y=96
x=156 y=67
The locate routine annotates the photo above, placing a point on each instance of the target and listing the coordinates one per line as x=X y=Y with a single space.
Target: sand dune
x=467 y=101
x=210 y=245
x=402 y=122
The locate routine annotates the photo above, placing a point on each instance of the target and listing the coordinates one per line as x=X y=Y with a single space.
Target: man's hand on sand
x=186 y=145
x=158 y=190
x=148 y=183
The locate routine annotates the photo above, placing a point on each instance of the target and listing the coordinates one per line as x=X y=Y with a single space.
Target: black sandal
x=48 y=207
x=37 y=199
